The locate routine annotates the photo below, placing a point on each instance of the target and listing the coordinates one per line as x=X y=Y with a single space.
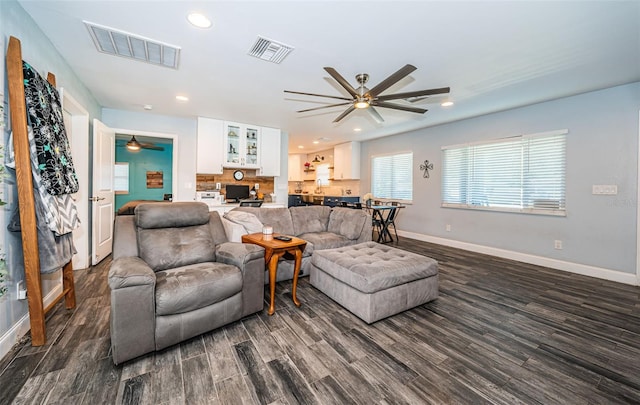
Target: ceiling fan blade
x=317 y=95
x=338 y=78
x=391 y=80
x=418 y=93
x=375 y=114
x=399 y=107
x=151 y=146
x=344 y=114
x=324 y=106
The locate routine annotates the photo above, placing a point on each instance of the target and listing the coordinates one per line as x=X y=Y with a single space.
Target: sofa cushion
x=347 y=222
x=169 y=215
x=168 y=248
x=278 y=218
x=322 y=240
x=195 y=286
x=310 y=219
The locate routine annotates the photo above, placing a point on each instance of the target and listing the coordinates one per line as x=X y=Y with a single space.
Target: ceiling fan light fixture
x=362 y=103
x=133 y=144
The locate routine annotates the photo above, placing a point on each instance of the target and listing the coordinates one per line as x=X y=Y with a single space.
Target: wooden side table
x=274 y=249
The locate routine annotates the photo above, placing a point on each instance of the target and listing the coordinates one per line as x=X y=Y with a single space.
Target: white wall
x=42 y=55
x=185 y=129
x=602 y=147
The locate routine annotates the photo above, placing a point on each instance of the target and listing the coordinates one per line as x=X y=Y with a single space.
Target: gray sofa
x=321 y=226
x=174 y=276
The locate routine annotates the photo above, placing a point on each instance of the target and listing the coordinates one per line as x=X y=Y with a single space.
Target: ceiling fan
x=364 y=98
x=134 y=145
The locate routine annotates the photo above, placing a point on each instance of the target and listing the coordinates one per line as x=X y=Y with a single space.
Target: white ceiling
x=493 y=55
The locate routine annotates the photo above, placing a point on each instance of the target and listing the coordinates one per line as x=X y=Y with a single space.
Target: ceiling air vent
x=269 y=50
x=120 y=43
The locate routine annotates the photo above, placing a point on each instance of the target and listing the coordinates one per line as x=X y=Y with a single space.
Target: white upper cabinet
x=346 y=161
x=269 y=152
x=209 y=155
x=242 y=144
x=223 y=144
x=295 y=167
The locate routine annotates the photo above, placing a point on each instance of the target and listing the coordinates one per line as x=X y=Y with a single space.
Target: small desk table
x=274 y=249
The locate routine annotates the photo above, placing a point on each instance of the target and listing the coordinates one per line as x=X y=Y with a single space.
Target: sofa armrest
x=250 y=259
x=130 y=272
x=238 y=254
x=365 y=233
x=133 y=308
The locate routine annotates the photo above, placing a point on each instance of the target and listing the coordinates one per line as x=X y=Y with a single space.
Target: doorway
x=144 y=169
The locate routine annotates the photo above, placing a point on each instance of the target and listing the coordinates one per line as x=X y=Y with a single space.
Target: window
x=121 y=178
x=392 y=177
x=522 y=174
x=322 y=175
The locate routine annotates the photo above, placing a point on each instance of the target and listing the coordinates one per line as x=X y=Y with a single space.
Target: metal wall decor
x=426 y=166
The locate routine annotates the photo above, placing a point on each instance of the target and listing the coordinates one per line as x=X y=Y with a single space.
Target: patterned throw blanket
x=54 y=177
x=52 y=146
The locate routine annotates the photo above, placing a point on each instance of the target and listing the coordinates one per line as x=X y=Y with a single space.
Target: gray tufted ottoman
x=374 y=281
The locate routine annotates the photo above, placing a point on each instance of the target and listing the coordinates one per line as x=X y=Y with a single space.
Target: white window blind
x=523 y=174
x=392 y=177
x=121 y=178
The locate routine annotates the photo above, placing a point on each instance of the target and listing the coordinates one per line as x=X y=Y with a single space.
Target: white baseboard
x=585 y=270
x=20 y=328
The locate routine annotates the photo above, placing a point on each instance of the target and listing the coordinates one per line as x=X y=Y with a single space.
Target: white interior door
x=103 y=195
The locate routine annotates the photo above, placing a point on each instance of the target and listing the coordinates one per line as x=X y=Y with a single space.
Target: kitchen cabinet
x=241 y=145
x=296 y=162
x=210 y=138
x=269 y=152
x=223 y=144
x=346 y=161
x=333 y=201
x=295 y=200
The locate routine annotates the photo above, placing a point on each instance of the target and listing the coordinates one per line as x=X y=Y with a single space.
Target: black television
x=235 y=192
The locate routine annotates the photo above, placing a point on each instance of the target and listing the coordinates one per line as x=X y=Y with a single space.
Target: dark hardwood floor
x=501 y=332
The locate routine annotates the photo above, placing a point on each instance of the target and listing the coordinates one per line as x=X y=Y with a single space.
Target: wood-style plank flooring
x=501 y=332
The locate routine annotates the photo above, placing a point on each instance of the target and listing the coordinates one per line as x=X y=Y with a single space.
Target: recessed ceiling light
x=316 y=142
x=199 y=20
x=357 y=129
x=447 y=104
x=182 y=98
x=148 y=107
x=300 y=147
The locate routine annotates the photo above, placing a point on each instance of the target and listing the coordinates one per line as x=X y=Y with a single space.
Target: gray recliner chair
x=175 y=276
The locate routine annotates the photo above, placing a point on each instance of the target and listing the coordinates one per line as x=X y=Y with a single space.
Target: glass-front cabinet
x=242 y=145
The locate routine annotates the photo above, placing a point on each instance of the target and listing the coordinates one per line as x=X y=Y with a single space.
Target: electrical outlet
x=257 y=186
x=20 y=290
x=448 y=228
x=218 y=186
x=557 y=244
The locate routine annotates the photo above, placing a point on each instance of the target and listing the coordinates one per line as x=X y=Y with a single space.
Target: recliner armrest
x=238 y=254
x=250 y=259
x=130 y=272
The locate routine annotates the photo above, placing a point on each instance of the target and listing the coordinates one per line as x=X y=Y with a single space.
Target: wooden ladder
x=17 y=105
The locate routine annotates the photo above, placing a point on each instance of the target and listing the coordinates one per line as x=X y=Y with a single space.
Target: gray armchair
x=175 y=276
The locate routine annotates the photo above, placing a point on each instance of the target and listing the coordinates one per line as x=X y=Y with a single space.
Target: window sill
x=531 y=211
